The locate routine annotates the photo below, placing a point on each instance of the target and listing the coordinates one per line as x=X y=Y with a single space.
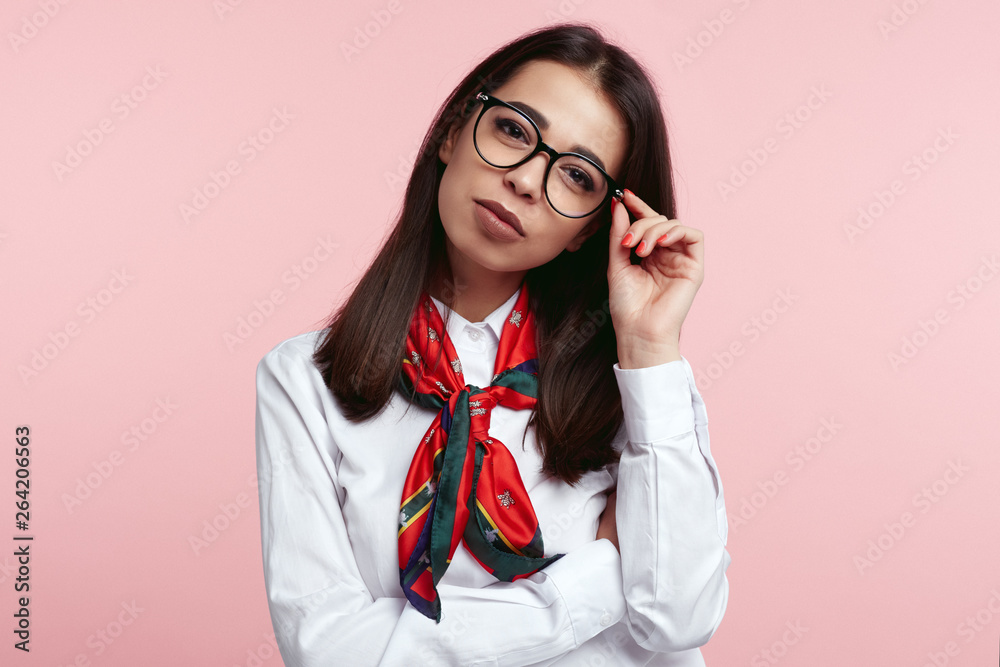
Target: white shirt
x=330 y=493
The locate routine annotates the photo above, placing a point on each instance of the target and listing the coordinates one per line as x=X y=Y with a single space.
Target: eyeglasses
x=505 y=137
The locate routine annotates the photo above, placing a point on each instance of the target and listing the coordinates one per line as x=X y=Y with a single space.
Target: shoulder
x=292 y=355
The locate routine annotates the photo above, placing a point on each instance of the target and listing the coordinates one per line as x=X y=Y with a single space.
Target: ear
x=584 y=234
x=448 y=147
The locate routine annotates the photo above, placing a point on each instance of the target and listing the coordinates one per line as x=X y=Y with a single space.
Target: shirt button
x=475 y=334
x=606 y=619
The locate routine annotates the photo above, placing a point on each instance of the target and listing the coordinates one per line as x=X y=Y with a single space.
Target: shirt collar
x=494 y=320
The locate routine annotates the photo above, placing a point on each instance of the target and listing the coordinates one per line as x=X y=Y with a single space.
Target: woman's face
x=577 y=116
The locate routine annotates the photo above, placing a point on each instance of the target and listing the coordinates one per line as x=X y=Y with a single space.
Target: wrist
x=641 y=354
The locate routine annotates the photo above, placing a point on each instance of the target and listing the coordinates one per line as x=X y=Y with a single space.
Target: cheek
x=449 y=194
x=547 y=245
x=456 y=181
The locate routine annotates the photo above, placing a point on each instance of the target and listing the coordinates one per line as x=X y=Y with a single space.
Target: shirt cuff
x=589 y=579
x=657 y=400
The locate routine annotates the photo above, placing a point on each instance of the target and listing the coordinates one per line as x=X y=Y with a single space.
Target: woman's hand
x=649 y=301
x=607 y=527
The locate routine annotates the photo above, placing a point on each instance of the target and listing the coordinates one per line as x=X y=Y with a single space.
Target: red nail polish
x=627 y=240
x=629 y=191
x=662 y=237
x=642 y=246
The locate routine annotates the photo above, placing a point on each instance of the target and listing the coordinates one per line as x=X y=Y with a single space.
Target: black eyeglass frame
x=489 y=101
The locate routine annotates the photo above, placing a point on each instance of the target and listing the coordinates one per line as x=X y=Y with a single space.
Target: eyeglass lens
x=575 y=186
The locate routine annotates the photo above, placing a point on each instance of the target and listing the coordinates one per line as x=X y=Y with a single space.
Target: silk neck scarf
x=463 y=483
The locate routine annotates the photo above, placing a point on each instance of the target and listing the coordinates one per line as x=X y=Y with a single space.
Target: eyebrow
x=543 y=123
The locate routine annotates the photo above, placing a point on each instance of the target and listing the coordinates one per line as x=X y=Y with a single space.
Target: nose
x=529 y=178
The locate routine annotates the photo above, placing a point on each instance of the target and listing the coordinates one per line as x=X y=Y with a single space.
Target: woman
x=513 y=301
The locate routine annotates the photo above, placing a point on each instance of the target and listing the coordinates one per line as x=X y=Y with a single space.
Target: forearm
x=670 y=512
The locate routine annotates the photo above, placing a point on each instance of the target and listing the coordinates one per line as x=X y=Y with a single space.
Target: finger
x=618 y=255
x=638 y=207
x=684 y=239
x=654 y=235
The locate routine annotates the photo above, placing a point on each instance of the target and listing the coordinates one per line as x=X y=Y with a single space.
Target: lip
x=503 y=214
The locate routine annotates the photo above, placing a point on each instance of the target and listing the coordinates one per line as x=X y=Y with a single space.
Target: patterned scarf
x=463 y=482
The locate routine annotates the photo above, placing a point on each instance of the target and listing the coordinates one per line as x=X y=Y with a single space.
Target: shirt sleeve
x=324 y=614
x=671 y=514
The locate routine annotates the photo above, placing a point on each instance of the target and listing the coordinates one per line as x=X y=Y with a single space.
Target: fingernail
x=662 y=237
x=613 y=202
x=627 y=240
x=629 y=191
x=642 y=246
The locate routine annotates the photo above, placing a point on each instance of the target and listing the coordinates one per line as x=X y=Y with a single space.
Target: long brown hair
x=579 y=411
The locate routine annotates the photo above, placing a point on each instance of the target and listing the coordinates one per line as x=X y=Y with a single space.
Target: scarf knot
x=481 y=404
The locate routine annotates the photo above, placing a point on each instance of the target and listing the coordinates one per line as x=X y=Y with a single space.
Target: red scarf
x=462 y=482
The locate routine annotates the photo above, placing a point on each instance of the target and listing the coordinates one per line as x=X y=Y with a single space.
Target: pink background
x=770 y=370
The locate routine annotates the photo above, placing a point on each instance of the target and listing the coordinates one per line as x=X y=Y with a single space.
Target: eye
x=512 y=129
x=580 y=178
